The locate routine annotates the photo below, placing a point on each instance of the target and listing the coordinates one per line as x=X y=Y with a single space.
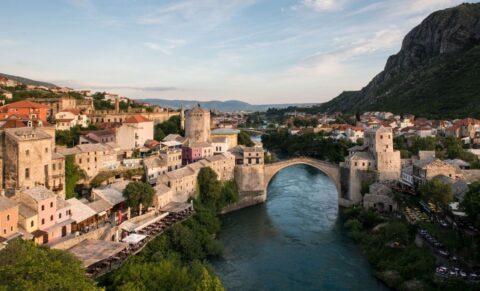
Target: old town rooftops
x=23 y=104
x=87 y=148
x=154 y=162
x=6 y=203
x=39 y=193
x=80 y=211
x=27 y=133
x=137 y=119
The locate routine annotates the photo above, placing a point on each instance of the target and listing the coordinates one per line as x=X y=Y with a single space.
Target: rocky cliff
x=424 y=76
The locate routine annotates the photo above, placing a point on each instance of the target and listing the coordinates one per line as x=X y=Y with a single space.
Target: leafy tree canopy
x=137 y=193
x=24 y=266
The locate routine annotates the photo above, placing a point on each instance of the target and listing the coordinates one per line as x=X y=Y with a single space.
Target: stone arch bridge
x=330 y=169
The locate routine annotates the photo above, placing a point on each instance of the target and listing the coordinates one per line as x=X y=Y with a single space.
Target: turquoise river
x=295 y=241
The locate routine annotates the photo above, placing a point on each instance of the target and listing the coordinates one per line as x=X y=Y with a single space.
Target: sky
x=257 y=51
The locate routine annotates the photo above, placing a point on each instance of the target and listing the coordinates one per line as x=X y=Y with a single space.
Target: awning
x=147 y=223
x=134 y=238
x=128 y=226
x=176 y=207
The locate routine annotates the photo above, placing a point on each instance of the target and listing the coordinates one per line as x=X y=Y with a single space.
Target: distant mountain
x=229 y=106
x=26 y=81
x=435 y=74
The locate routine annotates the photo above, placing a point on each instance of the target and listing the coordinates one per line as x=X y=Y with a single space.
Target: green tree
x=209 y=187
x=244 y=139
x=471 y=203
x=437 y=191
x=73 y=174
x=137 y=193
x=24 y=266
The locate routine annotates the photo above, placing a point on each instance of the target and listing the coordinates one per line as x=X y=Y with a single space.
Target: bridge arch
x=330 y=169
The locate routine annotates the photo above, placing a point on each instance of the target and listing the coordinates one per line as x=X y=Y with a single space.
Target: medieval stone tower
x=197 y=124
x=380 y=145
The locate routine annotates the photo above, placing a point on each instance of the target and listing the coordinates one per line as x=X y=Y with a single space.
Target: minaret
x=117 y=105
x=182 y=118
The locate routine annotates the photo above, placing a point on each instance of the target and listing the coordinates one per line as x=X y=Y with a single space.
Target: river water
x=295 y=241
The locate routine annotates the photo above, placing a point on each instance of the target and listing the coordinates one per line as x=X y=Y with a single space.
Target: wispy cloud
x=332 y=61
x=166 y=46
x=205 y=14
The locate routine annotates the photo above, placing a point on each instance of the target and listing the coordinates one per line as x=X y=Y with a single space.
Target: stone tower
x=380 y=145
x=117 y=105
x=197 y=124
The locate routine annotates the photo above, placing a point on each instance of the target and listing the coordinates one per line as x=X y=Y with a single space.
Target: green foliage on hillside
x=448 y=86
x=73 y=174
x=214 y=193
x=25 y=266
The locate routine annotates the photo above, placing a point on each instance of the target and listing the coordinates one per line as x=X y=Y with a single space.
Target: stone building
x=134 y=132
x=380 y=144
x=380 y=197
x=8 y=218
x=197 y=125
x=173 y=157
x=375 y=160
x=425 y=170
x=154 y=167
x=53 y=221
x=93 y=158
x=31 y=110
x=29 y=160
x=56 y=105
x=183 y=181
x=69 y=118
x=231 y=136
x=158 y=115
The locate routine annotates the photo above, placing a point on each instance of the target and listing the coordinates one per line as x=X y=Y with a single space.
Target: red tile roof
x=136 y=119
x=24 y=104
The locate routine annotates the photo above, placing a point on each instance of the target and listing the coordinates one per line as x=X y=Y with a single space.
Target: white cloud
x=324 y=5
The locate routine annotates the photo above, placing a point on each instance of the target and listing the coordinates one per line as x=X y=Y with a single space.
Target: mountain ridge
x=416 y=76
x=27 y=81
x=228 y=105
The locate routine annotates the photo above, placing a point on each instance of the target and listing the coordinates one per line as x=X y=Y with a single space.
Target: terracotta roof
x=136 y=119
x=74 y=111
x=24 y=104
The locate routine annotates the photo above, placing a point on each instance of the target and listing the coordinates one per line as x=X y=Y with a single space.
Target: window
x=54 y=167
x=27 y=153
x=46 y=150
x=43 y=207
x=31 y=223
x=43 y=221
x=51 y=204
x=8 y=217
x=59 y=216
x=51 y=217
x=27 y=173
